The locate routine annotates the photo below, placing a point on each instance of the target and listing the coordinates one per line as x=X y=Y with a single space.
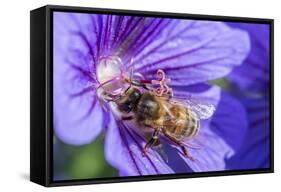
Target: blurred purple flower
x=190 y=52
x=253 y=75
x=252 y=79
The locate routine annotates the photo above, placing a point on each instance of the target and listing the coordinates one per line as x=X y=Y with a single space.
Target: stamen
x=164 y=88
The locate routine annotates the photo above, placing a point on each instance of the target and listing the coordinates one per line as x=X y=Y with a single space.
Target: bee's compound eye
x=125 y=107
x=130 y=101
x=135 y=95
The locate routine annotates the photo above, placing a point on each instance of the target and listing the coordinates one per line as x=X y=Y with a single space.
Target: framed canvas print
x=119 y=95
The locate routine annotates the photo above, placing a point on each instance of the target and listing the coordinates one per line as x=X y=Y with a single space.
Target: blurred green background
x=81 y=162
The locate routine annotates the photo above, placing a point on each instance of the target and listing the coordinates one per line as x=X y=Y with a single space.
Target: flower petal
x=78 y=117
x=109 y=35
x=258 y=60
x=230 y=121
x=220 y=137
x=255 y=152
x=77 y=121
x=123 y=150
x=200 y=50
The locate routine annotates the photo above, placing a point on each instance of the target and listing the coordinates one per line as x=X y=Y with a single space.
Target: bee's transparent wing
x=201 y=109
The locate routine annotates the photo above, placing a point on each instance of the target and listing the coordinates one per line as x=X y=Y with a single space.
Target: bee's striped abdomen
x=183 y=124
x=191 y=125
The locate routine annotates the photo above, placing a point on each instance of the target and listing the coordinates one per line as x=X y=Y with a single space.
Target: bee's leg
x=152 y=141
x=181 y=145
x=127 y=118
x=186 y=153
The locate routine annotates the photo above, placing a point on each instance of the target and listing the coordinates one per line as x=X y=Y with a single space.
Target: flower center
x=108 y=68
x=110 y=75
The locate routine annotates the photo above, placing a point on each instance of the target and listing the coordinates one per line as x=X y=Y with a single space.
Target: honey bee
x=160 y=112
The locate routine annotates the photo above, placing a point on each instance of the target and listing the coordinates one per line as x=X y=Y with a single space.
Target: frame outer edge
x=48 y=127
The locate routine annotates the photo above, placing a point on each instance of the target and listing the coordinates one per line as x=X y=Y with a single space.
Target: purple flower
x=252 y=79
x=253 y=75
x=91 y=49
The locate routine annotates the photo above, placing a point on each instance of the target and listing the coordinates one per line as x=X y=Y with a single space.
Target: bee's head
x=129 y=100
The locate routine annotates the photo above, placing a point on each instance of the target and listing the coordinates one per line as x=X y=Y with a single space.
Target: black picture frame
x=41 y=109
